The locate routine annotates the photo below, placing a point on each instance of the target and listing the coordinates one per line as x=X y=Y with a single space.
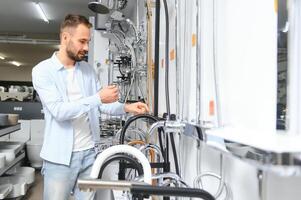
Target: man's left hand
x=136 y=108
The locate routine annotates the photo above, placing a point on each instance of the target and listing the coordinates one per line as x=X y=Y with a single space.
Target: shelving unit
x=9 y=129
x=20 y=153
x=13 y=163
x=4 y=131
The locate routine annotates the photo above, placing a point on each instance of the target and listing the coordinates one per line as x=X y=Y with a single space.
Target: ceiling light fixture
x=41 y=12
x=2 y=58
x=15 y=63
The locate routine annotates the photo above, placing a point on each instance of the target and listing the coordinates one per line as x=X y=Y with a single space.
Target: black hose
x=172 y=141
x=200 y=133
x=132 y=119
x=174 y=151
x=157 y=54
x=167 y=153
x=122 y=157
x=171 y=191
x=160 y=131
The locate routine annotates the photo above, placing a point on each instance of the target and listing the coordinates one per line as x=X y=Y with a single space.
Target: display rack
x=13 y=163
x=20 y=153
x=4 y=130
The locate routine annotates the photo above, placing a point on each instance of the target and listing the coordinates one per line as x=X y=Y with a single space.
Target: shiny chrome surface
x=284 y=164
x=169 y=127
x=95 y=184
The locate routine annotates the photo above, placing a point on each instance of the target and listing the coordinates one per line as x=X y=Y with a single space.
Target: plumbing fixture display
x=141 y=190
x=20 y=98
x=134 y=164
x=209 y=71
x=16 y=93
x=122 y=149
x=148 y=118
x=105 y=6
x=114 y=153
x=110 y=127
x=127 y=46
x=98 y=7
x=128 y=42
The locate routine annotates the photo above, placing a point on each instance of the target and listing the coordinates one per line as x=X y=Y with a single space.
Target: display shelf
x=273 y=151
x=19 y=152
x=11 y=164
x=4 y=130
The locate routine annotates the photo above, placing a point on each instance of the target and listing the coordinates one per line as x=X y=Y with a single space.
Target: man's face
x=77 y=42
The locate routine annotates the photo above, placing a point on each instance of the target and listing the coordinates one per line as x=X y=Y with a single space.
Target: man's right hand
x=109 y=94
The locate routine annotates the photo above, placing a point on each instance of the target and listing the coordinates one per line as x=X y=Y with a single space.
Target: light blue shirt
x=49 y=80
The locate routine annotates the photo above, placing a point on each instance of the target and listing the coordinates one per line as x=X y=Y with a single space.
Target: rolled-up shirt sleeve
x=115 y=108
x=53 y=101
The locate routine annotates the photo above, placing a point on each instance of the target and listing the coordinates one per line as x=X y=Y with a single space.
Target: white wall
x=246 y=50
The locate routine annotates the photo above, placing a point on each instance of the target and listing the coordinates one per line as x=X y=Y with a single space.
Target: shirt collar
x=57 y=63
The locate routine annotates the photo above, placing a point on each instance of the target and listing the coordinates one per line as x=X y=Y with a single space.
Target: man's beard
x=75 y=56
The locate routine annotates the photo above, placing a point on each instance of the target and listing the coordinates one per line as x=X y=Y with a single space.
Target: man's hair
x=72 y=21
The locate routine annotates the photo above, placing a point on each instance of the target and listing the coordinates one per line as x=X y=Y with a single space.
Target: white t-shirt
x=81 y=127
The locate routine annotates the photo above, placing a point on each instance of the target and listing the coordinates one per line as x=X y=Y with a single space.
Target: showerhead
x=98 y=7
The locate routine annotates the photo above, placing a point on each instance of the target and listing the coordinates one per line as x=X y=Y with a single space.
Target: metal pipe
x=155 y=148
x=92 y=184
x=155 y=126
x=169 y=127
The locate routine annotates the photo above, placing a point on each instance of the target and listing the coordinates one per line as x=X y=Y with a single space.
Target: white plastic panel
x=37 y=127
x=22 y=135
x=246 y=46
x=98 y=56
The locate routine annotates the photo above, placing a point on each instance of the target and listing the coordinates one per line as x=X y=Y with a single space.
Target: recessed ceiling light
x=41 y=12
x=15 y=63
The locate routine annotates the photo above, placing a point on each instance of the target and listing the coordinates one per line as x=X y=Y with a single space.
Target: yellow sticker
x=193 y=39
x=172 y=55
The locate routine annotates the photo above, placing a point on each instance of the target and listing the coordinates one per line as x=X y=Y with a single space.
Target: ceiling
x=22 y=30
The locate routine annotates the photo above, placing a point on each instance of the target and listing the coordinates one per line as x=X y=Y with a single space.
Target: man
x=71 y=98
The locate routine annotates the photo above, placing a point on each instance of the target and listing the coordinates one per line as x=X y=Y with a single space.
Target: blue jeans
x=61 y=180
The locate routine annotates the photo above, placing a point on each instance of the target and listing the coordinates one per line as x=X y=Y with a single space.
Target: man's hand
x=136 y=108
x=109 y=94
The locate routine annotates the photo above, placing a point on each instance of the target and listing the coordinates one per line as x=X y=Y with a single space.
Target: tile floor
x=35 y=192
